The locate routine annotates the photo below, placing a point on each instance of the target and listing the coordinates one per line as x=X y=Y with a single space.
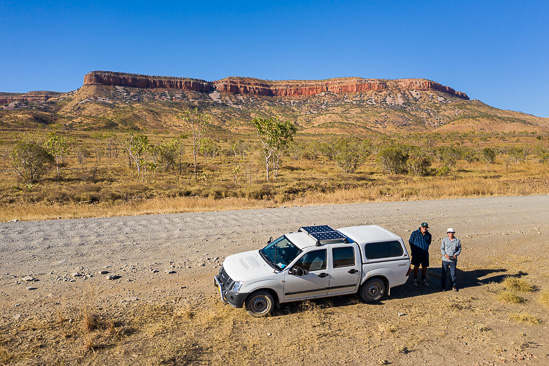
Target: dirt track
x=500 y=237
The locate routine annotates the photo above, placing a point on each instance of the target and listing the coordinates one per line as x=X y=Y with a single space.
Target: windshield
x=280 y=252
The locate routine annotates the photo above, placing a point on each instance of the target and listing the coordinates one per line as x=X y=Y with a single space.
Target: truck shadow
x=465 y=279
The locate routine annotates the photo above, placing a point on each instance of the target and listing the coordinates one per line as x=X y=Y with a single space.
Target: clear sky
x=495 y=51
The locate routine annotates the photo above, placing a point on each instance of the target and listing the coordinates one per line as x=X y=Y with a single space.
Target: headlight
x=237 y=285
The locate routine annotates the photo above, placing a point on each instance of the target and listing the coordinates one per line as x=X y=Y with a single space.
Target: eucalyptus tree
x=275 y=137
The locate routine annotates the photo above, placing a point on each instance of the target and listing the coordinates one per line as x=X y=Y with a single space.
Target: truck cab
x=314 y=262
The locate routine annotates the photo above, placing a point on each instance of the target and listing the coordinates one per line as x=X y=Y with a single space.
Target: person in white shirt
x=450 y=249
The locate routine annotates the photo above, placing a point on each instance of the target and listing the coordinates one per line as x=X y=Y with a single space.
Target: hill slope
x=341 y=105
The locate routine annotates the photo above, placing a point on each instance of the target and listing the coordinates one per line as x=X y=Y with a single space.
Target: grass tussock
x=525 y=318
x=518 y=284
x=90 y=321
x=510 y=297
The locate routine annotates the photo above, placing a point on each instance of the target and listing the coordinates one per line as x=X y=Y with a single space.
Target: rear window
x=344 y=257
x=384 y=250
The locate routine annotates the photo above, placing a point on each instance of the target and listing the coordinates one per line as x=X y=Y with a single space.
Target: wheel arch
x=381 y=277
x=273 y=293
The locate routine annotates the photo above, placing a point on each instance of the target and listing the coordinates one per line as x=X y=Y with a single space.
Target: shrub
x=350 y=154
x=517 y=284
x=443 y=170
x=448 y=155
x=393 y=160
x=488 y=155
x=516 y=154
x=418 y=163
x=510 y=297
x=29 y=160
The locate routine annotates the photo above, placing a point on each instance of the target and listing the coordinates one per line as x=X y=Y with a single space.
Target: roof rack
x=323 y=234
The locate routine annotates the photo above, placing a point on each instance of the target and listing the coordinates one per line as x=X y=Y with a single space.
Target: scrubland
x=96 y=177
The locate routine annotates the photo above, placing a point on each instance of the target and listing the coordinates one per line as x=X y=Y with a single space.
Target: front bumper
x=233 y=298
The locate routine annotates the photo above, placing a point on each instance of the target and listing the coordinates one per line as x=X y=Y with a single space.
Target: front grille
x=224 y=279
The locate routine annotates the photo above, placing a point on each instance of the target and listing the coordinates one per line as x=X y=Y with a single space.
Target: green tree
x=393 y=160
x=275 y=137
x=136 y=147
x=350 y=153
x=447 y=155
x=58 y=147
x=208 y=147
x=29 y=160
x=168 y=153
x=418 y=163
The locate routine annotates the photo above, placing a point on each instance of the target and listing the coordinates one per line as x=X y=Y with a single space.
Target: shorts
x=420 y=256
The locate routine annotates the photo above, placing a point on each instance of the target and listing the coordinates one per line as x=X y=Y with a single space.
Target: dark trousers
x=445 y=267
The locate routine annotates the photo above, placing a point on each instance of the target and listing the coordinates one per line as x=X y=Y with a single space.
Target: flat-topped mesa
x=282 y=88
x=146 y=82
x=290 y=88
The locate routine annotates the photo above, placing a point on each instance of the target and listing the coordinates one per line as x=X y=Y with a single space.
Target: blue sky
x=495 y=51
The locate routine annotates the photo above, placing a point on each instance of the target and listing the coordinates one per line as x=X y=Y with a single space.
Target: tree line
x=30 y=158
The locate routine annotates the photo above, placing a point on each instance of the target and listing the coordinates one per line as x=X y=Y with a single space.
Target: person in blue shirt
x=419 y=243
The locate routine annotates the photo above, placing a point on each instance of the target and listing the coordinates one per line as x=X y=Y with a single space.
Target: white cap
x=450 y=230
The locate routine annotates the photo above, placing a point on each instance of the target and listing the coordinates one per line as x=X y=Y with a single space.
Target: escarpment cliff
x=146 y=82
x=33 y=96
x=349 y=105
x=252 y=86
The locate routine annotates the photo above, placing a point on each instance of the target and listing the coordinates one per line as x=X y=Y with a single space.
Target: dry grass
x=525 y=318
x=90 y=321
x=544 y=298
x=518 y=284
x=510 y=297
x=105 y=186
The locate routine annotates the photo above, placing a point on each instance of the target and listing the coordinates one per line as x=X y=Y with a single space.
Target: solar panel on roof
x=316 y=229
x=328 y=235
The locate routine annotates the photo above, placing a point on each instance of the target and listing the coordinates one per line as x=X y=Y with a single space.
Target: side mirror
x=270 y=240
x=297 y=271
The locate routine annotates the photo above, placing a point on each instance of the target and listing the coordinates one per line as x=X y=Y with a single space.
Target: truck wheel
x=372 y=290
x=260 y=303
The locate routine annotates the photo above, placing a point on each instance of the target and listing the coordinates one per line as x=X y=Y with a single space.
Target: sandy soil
x=169 y=261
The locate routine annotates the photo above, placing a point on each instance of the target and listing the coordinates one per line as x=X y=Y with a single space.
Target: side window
x=313 y=261
x=384 y=250
x=344 y=257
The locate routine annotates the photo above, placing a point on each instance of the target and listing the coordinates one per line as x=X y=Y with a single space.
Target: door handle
x=322 y=275
x=351 y=271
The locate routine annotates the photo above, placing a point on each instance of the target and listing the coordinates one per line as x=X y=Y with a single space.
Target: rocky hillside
x=340 y=105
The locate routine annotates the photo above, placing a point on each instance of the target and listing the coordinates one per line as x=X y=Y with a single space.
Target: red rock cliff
x=286 y=88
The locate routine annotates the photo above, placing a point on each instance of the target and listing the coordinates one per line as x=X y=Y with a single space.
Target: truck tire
x=259 y=303
x=372 y=290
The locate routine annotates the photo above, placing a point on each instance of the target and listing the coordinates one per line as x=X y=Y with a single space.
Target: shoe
x=454 y=289
x=415 y=283
x=425 y=283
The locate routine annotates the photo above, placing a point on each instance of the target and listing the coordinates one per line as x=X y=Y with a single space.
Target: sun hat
x=450 y=230
x=424 y=224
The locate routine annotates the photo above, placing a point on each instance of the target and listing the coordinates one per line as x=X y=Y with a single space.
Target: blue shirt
x=419 y=240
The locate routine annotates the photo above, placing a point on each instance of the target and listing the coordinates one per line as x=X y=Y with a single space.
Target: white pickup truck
x=314 y=262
